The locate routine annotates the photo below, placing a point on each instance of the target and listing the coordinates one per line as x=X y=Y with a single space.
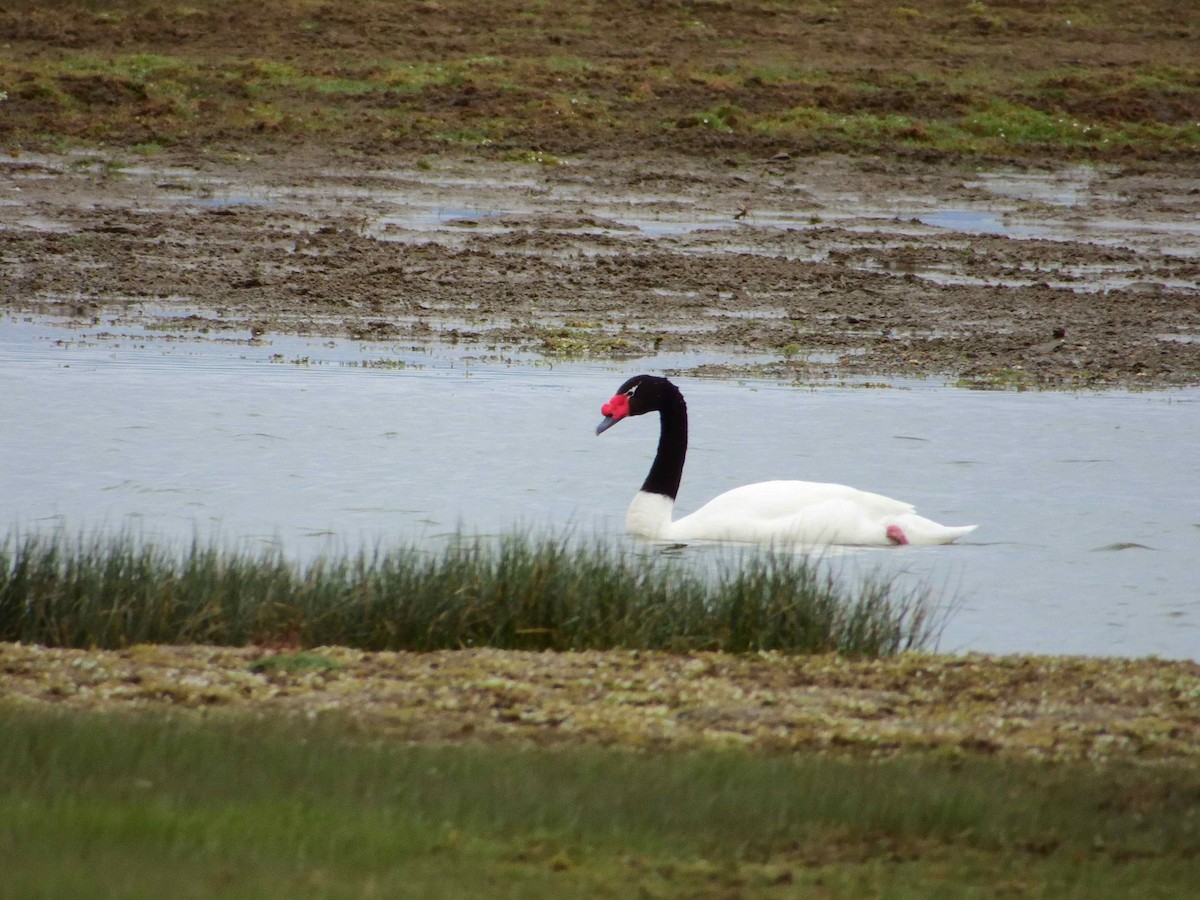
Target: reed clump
x=513 y=592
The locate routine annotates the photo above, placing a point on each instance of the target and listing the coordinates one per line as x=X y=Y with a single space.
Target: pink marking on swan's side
x=896 y=535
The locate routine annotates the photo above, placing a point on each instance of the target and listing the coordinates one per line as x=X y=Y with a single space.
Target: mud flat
x=1016 y=276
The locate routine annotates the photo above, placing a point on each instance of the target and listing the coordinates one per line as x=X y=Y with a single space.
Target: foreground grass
x=529 y=81
x=141 y=806
x=515 y=593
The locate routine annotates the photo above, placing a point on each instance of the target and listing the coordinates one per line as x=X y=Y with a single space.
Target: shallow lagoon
x=1089 y=505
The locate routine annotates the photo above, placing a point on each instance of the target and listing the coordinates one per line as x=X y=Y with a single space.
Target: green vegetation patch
x=138 y=806
x=294 y=662
x=515 y=592
x=974 y=79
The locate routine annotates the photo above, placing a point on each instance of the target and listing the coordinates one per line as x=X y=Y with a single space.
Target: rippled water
x=1089 y=505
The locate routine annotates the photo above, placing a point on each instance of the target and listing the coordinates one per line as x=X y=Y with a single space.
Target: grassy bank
x=121 y=806
x=531 y=80
x=514 y=593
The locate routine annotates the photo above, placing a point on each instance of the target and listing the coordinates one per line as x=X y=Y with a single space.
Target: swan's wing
x=795 y=512
x=784 y=499
x=807 y=512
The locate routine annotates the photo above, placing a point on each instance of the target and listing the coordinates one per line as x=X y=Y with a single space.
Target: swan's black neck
x=667 y=469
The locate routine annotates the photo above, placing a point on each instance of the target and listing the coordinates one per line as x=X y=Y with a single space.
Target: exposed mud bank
x=1084 y=276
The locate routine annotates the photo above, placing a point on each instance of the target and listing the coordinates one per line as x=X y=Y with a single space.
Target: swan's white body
x=790 y=512
x=778 y=512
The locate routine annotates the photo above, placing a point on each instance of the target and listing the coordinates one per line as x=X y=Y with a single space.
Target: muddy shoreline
x=1040 y=707
x=821 y=267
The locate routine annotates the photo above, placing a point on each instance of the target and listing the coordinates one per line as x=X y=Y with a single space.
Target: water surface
x=1089 y=505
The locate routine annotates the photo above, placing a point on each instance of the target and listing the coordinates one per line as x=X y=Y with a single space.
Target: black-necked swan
x=793 y=512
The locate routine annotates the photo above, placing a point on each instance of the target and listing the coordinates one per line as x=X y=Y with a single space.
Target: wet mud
x=821 y=267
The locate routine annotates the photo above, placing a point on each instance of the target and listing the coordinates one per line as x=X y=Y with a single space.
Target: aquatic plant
x=513 y=592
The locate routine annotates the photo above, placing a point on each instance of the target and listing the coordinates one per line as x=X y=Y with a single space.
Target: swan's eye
x=629 y=393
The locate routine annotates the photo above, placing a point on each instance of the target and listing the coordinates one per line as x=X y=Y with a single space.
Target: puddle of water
x=1067 y=187
x=222 y=201
x=976 y=221
x=174 y=439
x=408 y=207
x=764 y=313
x=42 y=224
x=1096 y=280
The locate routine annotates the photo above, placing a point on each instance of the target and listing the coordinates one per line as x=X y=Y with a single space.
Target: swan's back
x=807 y=512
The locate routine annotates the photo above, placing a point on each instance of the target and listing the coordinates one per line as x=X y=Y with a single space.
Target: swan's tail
x=951 y=533
x=913 y=529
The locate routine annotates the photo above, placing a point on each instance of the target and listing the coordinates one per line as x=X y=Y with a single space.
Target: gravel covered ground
x=1047 y=708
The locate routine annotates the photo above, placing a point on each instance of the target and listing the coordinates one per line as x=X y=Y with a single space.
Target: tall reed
x=515 y=592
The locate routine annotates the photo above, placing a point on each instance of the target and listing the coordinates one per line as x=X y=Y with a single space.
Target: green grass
x=954 y=79
x=514 y=592
x=294 y=662
x=122 y=806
